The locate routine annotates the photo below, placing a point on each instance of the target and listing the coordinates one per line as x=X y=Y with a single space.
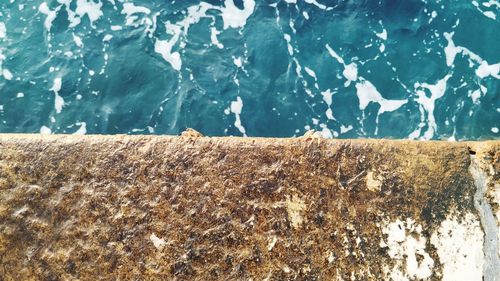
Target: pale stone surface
x=197 y=208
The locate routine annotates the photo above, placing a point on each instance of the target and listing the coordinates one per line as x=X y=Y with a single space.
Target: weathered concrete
x=194 y=208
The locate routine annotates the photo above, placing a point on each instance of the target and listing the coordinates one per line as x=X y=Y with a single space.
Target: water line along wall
x=195 y=208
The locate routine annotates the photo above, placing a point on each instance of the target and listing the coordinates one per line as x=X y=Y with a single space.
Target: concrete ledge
x=195 y=208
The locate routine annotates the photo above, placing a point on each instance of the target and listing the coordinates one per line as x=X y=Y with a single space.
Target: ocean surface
x=346 y=68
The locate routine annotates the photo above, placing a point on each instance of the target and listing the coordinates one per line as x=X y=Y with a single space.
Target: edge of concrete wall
x=191 y=207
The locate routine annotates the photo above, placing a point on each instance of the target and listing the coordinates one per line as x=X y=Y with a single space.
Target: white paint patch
x=157 y=242
x=295 y=206
x=271 y=243
x=489 y=224
x=407 y=247
x=373 y=183
x=459 y=244
x=236 y=108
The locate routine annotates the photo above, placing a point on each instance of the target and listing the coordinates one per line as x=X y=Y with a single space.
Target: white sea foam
x=3 y=30
x=310 y=72
x=288 y=40
x=382 y=35
x=315 y=3
x=232 y=16
x=488 y=14
x=82 y=130
x=164 y=48
x=213 y=37
x=44 y=130
x=327 y=98
x=475 y=95
x=51 y=15
x=78 y=40
x=236 y=108
x=58 y=100
x=483 y=70
x=381 y=48
x=107 y=38
x=350 y=71
x=427 y=104
x=344 y=129
x=368 y=93
x=365 y=90
x=334 y=54
x=238 y=62
x=90 y=8
x=130 y=10
x=7 y=74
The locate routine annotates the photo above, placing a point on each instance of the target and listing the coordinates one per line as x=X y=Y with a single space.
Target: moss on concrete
x=196 y=208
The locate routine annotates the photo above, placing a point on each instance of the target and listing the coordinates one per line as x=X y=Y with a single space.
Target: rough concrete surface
x=196 y=208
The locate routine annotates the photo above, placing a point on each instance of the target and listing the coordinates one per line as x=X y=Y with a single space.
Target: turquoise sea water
x=349 y=69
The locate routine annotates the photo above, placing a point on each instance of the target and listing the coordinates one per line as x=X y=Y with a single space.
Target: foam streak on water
x=389 y=68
